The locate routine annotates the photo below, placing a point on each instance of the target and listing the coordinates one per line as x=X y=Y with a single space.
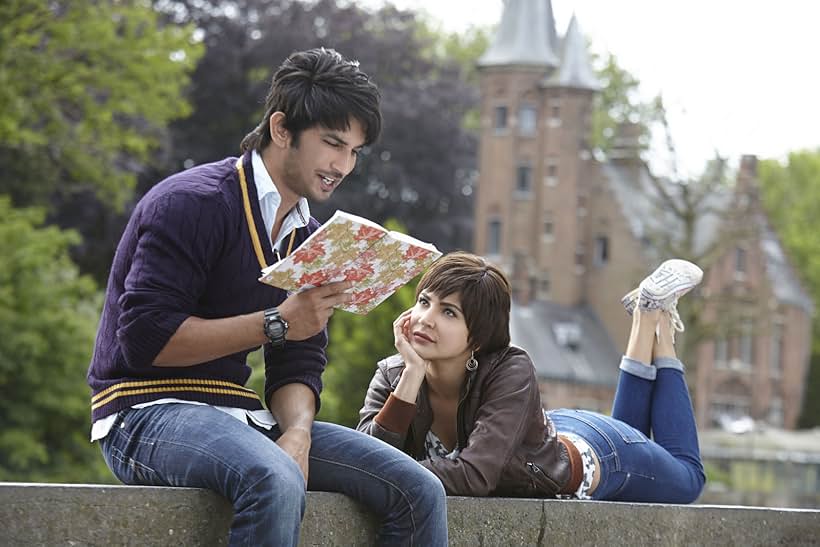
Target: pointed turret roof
x=576 y=69
x=526 y=36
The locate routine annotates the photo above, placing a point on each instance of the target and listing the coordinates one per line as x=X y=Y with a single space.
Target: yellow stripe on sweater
x=213 y=391
x=189 y=381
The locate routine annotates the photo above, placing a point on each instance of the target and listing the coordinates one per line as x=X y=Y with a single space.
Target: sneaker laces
x=675 y=322
x=674 y=316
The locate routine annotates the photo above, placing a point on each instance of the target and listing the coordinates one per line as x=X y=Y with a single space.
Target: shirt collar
x=270 y=199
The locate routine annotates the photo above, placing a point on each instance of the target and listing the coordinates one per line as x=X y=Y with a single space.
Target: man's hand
x=307 y=312
x=296 y=442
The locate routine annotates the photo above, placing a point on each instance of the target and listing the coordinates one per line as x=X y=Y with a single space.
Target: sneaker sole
x=668 y=283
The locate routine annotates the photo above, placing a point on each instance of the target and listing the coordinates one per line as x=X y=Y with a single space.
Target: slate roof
x=637 y=198
x=787 y=288
x=525 y=36
x=595 y=361
x=576 y=70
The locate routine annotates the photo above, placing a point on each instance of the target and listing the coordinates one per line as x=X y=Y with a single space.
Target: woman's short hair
x=485 y=297
x=318 y=87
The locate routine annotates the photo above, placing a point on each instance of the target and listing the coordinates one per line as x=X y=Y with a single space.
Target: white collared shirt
x=269 y=201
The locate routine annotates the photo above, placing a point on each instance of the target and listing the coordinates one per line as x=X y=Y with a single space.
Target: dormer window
x=568 y=335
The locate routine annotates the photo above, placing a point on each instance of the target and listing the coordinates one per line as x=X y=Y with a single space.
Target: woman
x=465 y=403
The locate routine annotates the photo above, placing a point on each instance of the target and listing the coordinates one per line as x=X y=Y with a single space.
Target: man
x=184 y=308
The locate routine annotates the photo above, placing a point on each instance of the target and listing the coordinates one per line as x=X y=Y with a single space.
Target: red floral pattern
x=359 y=272
x=315 y=279
x=368 y=233
x=416 y=253
x=306 y=255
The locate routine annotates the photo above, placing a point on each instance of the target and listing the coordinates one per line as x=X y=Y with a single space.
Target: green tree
x=791 y=196
x=419 y=171
x=48 y=314
x=618 y=102
x=357 y=342
x=85 y=91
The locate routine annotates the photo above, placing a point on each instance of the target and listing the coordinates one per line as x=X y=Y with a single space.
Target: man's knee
x=276 y=484
x=430 y=491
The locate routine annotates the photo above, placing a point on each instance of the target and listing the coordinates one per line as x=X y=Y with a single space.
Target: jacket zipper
x=460 y=434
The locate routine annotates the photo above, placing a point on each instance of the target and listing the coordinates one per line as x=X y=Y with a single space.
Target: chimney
x=627 y=144
x=747 y=188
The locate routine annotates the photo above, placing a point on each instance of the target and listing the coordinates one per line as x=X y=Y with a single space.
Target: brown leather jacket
x=507 y=449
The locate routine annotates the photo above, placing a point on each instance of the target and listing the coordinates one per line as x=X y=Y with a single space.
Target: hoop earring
x=472 y=362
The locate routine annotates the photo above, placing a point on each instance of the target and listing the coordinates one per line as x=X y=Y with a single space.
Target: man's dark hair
x=318 y=87
x=485 y=297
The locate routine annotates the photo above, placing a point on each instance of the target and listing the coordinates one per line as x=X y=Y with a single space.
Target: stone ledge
x=62 y=514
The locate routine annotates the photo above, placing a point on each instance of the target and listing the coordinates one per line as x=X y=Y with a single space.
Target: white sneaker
x=630 y=300
x=662 y=289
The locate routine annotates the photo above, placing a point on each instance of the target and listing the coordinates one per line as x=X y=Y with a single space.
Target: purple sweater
x=187 y=251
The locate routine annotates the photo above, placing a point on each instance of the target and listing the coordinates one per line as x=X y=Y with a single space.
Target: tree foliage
x=85 y=89
x=791 y=196
x=618 y=102
x=420 y=170
x=48 y=313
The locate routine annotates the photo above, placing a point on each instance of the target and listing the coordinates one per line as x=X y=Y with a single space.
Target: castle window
x=500 y=119
x=523 y=180
x=555 y=113
x=544 y=285
x=549 y=227
x=721 y=353
x=494 y=237
x=582 y=206
x=746 y=345
x=740 y=262
x=601 y=256
x=527 y=120
x=579 y=254
x=552 y=173
x=776 y=350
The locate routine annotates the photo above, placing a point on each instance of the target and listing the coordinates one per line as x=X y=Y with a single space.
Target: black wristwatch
x=275 y=327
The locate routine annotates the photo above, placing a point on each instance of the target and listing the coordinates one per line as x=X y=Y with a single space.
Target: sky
x=737 y=77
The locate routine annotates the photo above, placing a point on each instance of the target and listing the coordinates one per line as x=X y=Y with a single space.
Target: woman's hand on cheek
x=401 y=334
x=401 y=328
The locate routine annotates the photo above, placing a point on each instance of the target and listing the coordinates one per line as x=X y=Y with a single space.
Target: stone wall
x=54 y=514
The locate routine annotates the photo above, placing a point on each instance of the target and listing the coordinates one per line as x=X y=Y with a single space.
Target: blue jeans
x=201 y=446
x=664 y=469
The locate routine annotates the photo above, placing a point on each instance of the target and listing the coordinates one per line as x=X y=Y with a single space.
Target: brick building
x=575 y=233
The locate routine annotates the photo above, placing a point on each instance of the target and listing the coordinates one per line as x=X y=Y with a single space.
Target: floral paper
x=348 y=247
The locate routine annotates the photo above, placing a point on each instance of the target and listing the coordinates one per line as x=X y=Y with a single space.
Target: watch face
x=275 y=329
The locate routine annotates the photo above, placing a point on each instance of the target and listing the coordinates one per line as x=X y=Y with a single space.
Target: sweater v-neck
x=253 y=197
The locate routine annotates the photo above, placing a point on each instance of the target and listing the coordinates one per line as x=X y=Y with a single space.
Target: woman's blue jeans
x=664 y=469
x=201 y=446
